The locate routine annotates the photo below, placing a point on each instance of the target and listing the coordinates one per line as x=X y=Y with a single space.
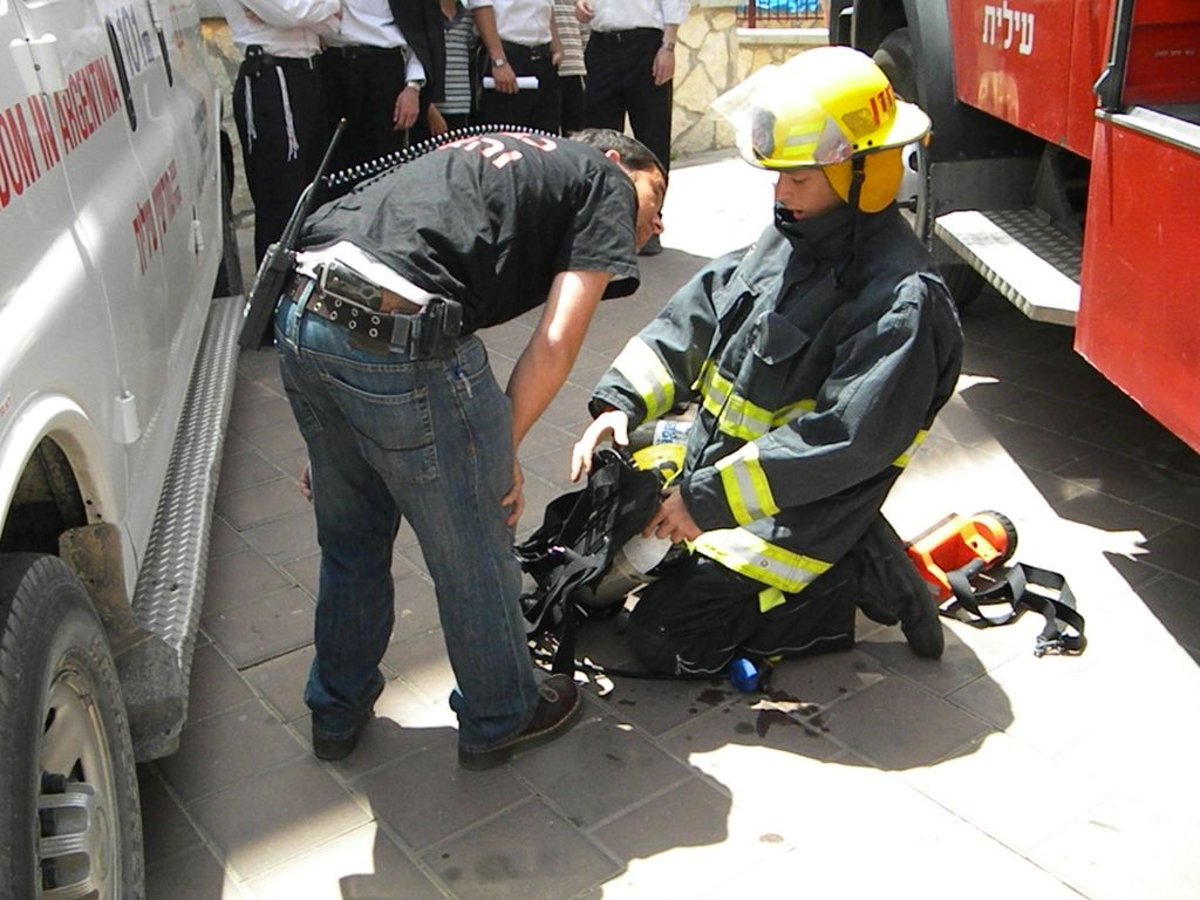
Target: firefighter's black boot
x=892 y=590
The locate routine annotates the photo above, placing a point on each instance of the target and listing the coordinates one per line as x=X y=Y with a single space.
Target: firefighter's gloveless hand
x=612 y=422
x=672 y=522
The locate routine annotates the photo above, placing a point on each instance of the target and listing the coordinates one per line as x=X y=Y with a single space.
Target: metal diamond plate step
x=170 y=586
x=1022 y=256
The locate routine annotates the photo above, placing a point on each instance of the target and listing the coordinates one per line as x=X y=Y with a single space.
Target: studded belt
x=420 y=331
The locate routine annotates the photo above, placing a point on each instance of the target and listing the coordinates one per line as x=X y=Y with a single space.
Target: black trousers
x=700 y=615
x=361 y=85
x=280 y=152
x=620 y=83
x=535 y=108
x=574 y=113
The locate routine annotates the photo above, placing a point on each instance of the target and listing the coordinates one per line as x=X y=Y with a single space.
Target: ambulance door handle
x=38 y=62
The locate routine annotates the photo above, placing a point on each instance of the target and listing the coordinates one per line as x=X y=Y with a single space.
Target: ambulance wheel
x=70 y=823
x=895 y=56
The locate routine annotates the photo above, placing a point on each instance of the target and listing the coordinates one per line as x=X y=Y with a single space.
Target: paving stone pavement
x=868 y=773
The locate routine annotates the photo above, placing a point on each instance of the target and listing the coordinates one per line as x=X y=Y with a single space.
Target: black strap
x=1063 y=631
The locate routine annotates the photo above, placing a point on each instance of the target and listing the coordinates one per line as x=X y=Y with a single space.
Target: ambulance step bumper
x=1025 y=258
x=170 y=588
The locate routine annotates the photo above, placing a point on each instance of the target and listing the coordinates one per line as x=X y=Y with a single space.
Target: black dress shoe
x=558 y=706
x=331 y=749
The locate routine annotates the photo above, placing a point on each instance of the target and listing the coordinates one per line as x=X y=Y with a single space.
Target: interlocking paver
x=861 y=774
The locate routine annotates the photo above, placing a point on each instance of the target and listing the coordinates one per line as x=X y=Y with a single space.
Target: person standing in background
x=631 y=63
x=381 y=71
x=520 y=39
x=572 y=73
x=461 y=85
x=277 y=102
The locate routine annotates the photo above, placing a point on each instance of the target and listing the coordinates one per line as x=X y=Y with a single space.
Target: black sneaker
x=331 y=749
x=558 y=706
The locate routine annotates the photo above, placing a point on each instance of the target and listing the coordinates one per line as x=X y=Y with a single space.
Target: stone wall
x=712 y=55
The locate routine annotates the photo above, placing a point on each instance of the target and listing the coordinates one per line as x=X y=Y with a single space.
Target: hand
x=672 y=521
x=612 y=422
x=556 y=53
x=515 y=497
x=306 y=482
x=506 y=79
x=408 y=107
x=664 y=66
x=436 y=121
x=584 y=11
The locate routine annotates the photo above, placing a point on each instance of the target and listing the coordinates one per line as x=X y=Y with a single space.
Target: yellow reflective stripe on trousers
x=766 y=563
x=745 y=484
x=906 y=457
x=739 y=418
x=650 y=378
x=769 y=598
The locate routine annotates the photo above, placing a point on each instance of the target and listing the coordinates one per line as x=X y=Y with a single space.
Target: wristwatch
x=668 y=45
x=498 y=62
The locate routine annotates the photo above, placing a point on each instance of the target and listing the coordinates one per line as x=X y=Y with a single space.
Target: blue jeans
x=428 y=440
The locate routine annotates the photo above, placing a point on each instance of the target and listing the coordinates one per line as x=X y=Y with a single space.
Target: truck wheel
x=70 y=823
x=895 y=57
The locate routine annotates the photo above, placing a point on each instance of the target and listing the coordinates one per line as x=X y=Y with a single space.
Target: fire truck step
x=1026 y=259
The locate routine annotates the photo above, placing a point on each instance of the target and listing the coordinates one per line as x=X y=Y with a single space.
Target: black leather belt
x=257 y=57
x=426 y=332
x=629 y=34
x=355 y=50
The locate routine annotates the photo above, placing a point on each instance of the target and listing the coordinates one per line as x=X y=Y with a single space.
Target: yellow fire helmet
x=821 y=109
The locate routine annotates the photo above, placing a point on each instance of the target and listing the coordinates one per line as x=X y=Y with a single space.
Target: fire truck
x=1065 y=149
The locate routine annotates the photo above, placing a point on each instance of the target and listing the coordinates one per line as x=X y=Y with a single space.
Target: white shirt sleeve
x=291 y=13
x=675 y=12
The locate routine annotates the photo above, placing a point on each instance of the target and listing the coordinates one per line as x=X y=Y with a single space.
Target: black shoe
x=557 y=708
x=922 y=625
x=653 y=247
x=331 y=749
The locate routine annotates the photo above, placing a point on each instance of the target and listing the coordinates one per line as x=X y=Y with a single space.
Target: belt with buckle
x=627 y=34
x=421 y=331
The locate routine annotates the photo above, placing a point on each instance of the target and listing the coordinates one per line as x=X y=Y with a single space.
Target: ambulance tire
x=229 y=276
x=895 y=56
x=68 y=776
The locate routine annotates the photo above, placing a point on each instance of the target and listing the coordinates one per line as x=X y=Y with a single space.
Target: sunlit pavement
x=870 y=773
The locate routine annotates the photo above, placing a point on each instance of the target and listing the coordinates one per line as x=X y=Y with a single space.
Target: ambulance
x=118 y=328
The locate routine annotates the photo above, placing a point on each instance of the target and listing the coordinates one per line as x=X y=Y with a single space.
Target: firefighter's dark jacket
x=819 y=357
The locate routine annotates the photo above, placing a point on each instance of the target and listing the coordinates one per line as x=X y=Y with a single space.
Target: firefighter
x=817 y=359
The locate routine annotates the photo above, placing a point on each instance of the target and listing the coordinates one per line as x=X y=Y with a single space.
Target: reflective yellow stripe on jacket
x=738 y=417
x=767 y=563
x=906 y=457
x=642 y=368
x=745 y=484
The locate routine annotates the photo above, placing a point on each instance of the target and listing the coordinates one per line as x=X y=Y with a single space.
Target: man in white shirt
x=630 y=61
x=277 y=102
x=381 y=71
x=520 y=39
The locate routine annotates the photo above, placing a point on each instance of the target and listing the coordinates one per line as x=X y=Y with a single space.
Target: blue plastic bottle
x=744 y=675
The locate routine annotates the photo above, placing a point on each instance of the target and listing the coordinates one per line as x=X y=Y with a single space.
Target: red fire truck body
x=1065 y=151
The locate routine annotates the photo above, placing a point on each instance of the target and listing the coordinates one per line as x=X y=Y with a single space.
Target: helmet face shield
x=822 y=107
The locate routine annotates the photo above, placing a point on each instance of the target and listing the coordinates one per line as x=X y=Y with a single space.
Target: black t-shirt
x=490 y=220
